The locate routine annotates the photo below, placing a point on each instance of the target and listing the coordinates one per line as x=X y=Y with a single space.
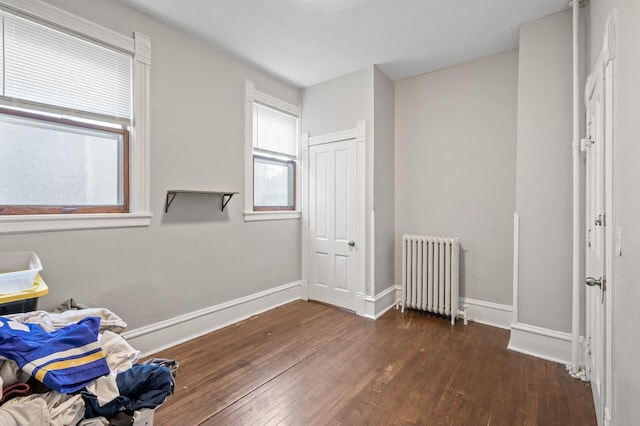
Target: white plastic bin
x=18 y=271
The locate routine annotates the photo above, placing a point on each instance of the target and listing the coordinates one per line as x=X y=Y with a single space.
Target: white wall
x=455 y=167
x=194 y=256
x=544 y=173
x=625 y=287
x=383 y=183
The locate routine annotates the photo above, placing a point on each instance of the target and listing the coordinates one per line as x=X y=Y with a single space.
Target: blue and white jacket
x=66 y=360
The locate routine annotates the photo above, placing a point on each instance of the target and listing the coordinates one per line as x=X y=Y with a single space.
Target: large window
x=73 y=122
x=273 y=128
x=52 y=165
x=64 y=147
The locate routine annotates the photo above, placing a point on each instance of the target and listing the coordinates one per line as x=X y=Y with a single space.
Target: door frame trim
x=363 y=258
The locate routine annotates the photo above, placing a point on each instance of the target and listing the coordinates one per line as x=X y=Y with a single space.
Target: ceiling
x=305 y=42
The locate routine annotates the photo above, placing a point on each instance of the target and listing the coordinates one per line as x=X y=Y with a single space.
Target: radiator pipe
x=575 y=317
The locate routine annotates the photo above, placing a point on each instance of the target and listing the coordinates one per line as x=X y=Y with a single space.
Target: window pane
x=52 y=164
x=273 y=183
x=275 y=131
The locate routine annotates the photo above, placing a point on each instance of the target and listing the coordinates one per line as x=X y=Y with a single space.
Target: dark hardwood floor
x=307 y=363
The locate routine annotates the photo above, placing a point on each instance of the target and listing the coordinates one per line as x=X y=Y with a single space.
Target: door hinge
x=601 y=220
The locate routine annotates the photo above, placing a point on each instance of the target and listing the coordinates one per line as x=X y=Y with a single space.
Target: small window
x=275 y=154
x=53 y=165
x=273 y=183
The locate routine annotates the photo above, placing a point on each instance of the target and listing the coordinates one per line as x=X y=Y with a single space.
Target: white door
x=595 y=221
x=332 y=223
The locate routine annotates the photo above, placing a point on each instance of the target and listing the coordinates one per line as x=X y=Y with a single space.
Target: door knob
x=351 y=243
x=591 y=282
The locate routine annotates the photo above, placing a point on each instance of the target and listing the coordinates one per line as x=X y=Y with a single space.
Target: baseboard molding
x=541 y=342
x=375 y=307
x=173 y=331
x=480 y=311
x=489 y=313
x=304 y=290
x=385 y=300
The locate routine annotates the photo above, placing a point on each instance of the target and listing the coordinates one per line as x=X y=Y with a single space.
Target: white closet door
x=332 y=216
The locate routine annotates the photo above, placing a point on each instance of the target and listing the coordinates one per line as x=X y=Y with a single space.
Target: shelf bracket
x=225 y=200
x=169 y=200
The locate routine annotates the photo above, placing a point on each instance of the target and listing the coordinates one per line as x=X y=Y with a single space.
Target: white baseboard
x=375 y=307
x=304 y=290
x=541 y=342
x=173 y=331
x=480 y=311
x=488 y=313
x=385 y=300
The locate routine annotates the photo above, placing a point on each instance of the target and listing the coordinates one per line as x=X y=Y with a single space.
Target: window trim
x=139 y=45
x=254 y=96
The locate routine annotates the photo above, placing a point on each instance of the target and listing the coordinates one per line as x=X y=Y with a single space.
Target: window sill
x=251 y=216
x=15 y=224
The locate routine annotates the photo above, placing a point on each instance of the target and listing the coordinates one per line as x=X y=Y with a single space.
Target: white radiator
x=430 y=274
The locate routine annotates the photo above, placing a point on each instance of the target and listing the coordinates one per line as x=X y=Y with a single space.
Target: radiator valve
x=462 y=313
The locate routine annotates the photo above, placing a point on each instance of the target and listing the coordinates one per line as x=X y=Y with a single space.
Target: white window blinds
x=63 y=73
x=274 y=131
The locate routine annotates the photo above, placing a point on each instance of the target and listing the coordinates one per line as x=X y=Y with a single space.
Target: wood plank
x=306 y=363
x=216 y=372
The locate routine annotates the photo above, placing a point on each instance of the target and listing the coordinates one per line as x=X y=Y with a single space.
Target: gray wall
x=383 y=182
x=194 y=256
x=544 y=172
x=339 y=103
x=455 y=167
x=625 y=288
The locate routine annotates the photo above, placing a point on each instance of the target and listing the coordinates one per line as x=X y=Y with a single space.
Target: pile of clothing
x=73 y=368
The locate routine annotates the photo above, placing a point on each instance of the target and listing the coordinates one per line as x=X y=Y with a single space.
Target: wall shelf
x=171 y=194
